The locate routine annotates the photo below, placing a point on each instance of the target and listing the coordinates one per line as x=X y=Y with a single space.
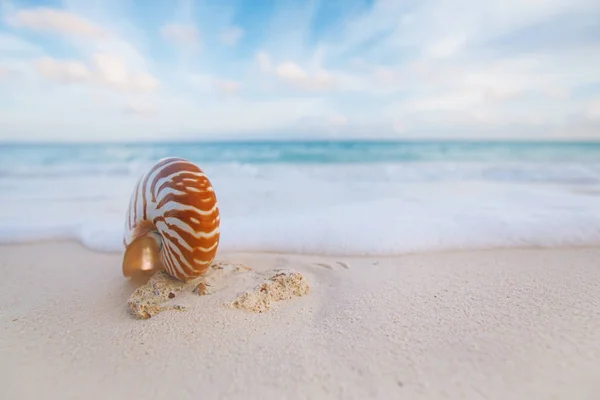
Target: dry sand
x=498 y=324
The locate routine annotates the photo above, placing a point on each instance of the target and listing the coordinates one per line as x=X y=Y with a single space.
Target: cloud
x=232 y=35
x=64 y=71
x=207 y=85
x=444 y=47
x=290 y=71
x=5 y=72
x=181 y=34
x=13 y=44
x=338 y=120
x=521 y=89
x=264 y=61
x=143 y=82
x=228 y=87
x=55 y=21
x=110 y=69
x=293 y=74
x=140 y=108
x=395 y=69
x=593 y=110
x=104 y=69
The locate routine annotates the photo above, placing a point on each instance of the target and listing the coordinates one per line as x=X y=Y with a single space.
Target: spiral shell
x=172 y=220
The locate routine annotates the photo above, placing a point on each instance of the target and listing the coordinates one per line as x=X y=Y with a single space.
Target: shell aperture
x=142 y=256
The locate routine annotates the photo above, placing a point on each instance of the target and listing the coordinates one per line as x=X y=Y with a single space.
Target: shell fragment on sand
x=147 y=300
x=153 y=297
x=283 y=285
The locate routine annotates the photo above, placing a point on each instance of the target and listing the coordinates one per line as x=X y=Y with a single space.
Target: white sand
x=501 y=324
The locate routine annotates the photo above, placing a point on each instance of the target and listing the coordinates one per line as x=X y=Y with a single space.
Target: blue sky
x=197 y=69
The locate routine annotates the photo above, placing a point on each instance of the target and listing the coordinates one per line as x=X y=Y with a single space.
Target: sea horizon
x=401 y=196
x=258 y=140
x=300 y=151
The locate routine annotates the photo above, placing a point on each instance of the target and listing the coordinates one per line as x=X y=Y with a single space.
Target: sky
x=125 y=70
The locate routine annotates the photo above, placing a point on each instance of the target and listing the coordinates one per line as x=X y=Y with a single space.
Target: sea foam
x=354 y=209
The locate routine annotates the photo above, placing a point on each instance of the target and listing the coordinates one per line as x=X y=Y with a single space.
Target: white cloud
x=65 y=71
x=110 y=69
x=5 y=72
x=55 y=21
x=144 y=82
x=228 y=87
x=290 y=71
x=445 y=47
x=398 y=127
x=105 y=69
x=140 y=108
x=293 y=74
x=232 y=35
x=395 y=68
x=387 y=77
x=14 y=44
x=174 y=114
x=338 y=120
x=201 y=82
x=207 y=85
x=181 y=34
x=593 y=110
x=264 y=61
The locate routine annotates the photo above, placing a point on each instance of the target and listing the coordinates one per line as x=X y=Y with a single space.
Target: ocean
x=352 y=197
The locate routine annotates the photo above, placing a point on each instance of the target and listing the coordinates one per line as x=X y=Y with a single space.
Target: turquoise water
x=298 y=152
x=320 y=197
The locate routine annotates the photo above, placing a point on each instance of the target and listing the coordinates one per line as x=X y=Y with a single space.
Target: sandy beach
x=373 y=199
x=495 y=324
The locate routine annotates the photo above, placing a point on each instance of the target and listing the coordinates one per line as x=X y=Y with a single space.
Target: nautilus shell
x=172 y=222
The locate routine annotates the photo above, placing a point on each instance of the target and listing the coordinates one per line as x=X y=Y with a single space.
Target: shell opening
x=142 y=256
